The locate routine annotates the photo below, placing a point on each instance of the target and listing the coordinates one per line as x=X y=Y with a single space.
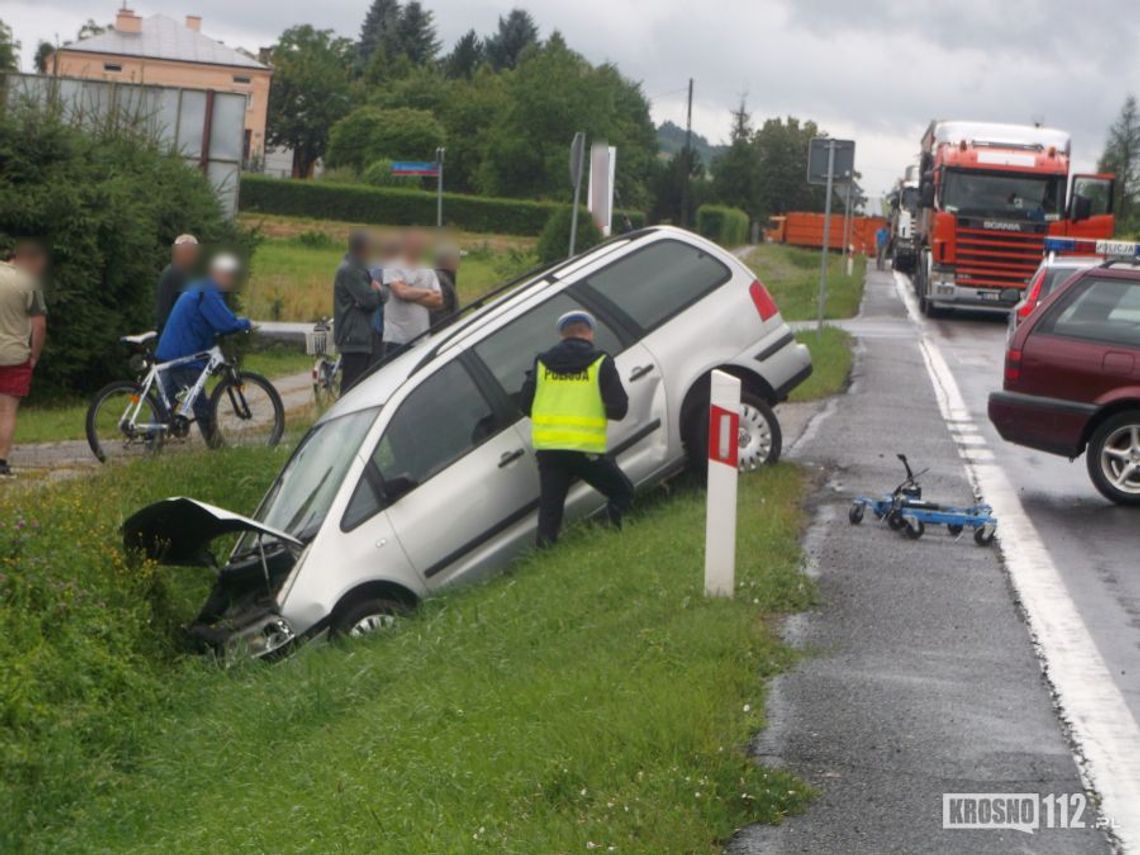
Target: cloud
x=876 y=71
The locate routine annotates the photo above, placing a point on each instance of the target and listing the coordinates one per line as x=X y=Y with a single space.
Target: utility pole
x=848 y=222
x=688 y=158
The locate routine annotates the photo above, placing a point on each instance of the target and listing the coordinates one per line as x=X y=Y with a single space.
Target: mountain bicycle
x=136 y=417
x=327 y=368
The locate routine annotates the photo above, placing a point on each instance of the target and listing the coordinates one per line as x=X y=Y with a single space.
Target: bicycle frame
x=214 y=360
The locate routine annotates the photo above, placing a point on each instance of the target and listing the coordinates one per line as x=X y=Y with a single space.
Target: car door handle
x=510 y=457
x=640 y=372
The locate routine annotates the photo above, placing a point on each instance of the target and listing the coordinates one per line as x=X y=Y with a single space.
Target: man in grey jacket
x=356 y=296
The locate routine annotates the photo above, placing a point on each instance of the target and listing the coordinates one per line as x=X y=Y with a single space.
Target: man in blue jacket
x=199 y=316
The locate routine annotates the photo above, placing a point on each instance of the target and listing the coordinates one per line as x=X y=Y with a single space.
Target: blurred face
x=414 y=246
x=582 y=331
x=224 y=279
x=32 y=260
x=185 y=256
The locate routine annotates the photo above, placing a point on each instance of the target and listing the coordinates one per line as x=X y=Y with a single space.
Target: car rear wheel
x=1113 y=458
x=759 y=438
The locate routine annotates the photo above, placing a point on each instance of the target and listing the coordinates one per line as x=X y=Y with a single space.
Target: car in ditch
x=1072 y=378
x=423 y=474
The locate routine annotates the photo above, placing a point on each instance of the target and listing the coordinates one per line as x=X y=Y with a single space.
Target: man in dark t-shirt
x=183 y=257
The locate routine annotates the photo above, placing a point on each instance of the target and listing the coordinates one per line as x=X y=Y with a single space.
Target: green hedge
x=727 y=226
x=400 y=207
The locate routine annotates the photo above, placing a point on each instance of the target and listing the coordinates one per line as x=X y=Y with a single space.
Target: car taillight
x=763 y=301
x=1013 y=365
x=1031 y=296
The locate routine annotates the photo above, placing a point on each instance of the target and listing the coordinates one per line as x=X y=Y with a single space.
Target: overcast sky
x=873 y=70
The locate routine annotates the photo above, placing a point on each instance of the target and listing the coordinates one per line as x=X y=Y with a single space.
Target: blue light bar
x=1122 y=249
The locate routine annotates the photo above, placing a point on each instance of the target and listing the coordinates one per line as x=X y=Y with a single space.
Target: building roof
x=164 y=38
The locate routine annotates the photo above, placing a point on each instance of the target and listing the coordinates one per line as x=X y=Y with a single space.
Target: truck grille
x=998 y=259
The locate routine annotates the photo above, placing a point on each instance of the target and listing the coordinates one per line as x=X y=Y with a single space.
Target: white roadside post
x=724 y=451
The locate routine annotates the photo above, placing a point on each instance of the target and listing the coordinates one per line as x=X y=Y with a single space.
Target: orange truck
x=800 y=228
x=989 y=195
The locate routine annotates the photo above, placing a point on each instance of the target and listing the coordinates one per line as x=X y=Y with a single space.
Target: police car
x=423 y=475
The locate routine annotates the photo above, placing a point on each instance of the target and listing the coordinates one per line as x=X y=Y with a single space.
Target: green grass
x=831 y=363
x=791 y=274
x=590 y=696
x=64 y=418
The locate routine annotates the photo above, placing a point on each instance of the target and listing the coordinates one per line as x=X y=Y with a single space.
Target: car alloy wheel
x=1120 y=459
x=1113 y=457
x=370 y=624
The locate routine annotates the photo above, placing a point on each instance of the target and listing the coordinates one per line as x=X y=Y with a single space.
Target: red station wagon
x=1072 y=378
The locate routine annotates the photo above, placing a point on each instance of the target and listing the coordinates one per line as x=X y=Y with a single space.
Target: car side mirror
x=1010 y=295
x=398 y=486
x=1082 y=208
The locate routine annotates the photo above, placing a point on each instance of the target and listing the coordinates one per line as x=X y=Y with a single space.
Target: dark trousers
x=352 y=365
x=557 y=471
x=377 y=348
x=180 y=377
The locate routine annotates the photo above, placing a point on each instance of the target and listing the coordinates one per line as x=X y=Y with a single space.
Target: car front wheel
x=1113 y=458
x=367 y=618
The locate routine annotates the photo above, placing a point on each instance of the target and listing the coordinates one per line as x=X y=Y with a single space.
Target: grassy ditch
x=791 y=274
x=590 y=698
x=831 y=363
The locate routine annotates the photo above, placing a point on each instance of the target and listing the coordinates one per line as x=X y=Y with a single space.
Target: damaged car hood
x=179 y=530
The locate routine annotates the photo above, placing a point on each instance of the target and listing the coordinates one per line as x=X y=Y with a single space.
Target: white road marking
x=1103 y=728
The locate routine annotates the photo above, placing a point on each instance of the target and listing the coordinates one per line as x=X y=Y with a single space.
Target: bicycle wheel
x=246 y=412
x=122 y=423
x=326 y=383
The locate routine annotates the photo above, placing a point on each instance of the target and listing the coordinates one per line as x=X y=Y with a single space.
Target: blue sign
x=415 y=167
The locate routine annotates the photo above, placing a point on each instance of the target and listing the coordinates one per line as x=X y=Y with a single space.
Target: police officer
x=569 y=395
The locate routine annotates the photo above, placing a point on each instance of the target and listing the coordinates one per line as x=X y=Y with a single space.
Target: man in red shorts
x=23 y=327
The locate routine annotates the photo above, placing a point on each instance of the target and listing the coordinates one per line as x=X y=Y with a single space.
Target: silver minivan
x=423 y=474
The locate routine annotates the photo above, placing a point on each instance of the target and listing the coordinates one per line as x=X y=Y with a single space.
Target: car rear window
x=656 y=283
x=1103 y=310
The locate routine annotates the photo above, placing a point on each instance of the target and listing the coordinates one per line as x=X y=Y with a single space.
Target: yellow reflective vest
x=568 y=413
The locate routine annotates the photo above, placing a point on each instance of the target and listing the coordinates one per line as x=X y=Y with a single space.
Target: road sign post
x=828 y=159
x=577 y=155
x=439 y=187
x=723 y=464
x=848 y=222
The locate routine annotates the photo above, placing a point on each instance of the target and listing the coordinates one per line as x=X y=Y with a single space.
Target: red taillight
x=1012 y=365
x=1031 y=296
x=763 y=301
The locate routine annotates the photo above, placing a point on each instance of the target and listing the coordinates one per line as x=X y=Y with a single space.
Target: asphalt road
x=923 y=677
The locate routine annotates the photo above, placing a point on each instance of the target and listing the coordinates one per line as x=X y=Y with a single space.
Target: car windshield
x=1021 y=197
x=1055 y=276
x=301 y=496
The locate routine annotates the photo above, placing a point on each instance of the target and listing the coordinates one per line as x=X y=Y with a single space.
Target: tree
x=90 y=28
x=416 y=34
x=465 y=57
x=516 y=33
x=370 y=134
x=735 y=181
x=378 y=32
x=782 y=148
x=1122 y=156
x=44 y=50
x=9 y=49
x=310 y=92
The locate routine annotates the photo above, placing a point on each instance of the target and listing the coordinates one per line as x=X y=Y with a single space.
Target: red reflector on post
x=763 y=301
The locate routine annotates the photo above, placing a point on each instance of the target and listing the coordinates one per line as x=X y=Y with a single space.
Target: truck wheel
x=1113 y=458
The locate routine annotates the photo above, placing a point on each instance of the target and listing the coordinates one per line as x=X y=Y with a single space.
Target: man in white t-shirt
x=415 y=292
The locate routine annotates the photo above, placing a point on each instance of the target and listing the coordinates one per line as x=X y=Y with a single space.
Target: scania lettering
x=989 y=196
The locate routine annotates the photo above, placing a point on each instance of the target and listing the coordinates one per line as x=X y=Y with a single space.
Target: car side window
x=509 y=351
x=1104 y=310
x=438 y=423
x=654 y=284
